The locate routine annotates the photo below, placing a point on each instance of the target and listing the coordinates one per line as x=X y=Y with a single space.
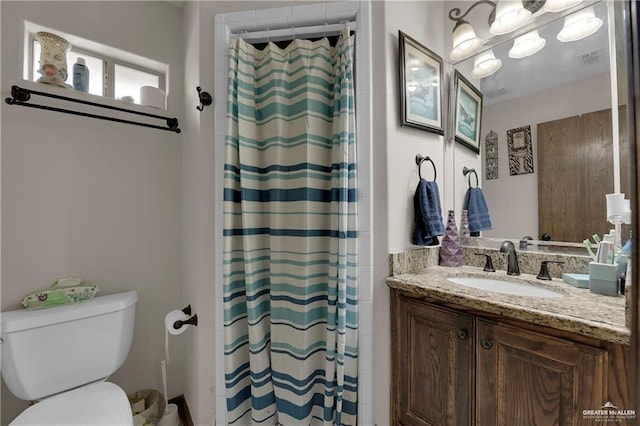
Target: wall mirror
x=563 y=92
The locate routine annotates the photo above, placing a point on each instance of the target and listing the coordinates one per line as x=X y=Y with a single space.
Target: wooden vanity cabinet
x=455 y=368
x=432 y=365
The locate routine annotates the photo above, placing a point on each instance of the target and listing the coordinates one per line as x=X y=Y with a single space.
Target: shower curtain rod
x=281 y=34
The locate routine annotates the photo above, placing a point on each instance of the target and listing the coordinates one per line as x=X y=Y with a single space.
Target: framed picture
x=468 y=113
x=420 y=86
x=520 y=151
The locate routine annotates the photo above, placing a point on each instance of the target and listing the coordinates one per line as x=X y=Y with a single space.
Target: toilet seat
x=100 y=403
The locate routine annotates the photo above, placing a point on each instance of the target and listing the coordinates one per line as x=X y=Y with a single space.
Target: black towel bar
x=421 y=159
x=21 y=96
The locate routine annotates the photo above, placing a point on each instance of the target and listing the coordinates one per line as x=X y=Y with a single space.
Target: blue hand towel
x=475 y=204
x=428 y=214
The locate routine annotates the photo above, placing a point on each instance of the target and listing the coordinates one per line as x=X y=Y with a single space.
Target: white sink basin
x=505 y=287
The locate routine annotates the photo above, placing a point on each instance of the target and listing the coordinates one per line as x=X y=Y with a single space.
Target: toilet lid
x=96 y=404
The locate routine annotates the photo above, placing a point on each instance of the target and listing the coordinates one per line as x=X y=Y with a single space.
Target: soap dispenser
x=81 y=76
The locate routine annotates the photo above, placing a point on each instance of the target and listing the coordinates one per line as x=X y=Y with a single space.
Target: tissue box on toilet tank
x=64 y=292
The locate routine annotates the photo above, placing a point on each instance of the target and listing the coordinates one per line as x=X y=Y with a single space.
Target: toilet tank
x=47 y=351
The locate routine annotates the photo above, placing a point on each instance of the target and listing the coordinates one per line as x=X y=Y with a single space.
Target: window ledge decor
x=420 y=86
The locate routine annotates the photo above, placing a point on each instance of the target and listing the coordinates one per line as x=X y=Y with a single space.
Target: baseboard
x=183 y=410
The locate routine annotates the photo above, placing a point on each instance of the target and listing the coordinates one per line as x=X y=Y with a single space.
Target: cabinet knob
x=486 y=344
x=462 y=334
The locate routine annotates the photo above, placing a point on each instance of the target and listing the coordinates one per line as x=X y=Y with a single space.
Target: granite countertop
x=578 y=311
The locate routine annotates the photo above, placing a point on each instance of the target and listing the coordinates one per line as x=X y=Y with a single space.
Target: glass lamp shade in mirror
x=465 y=41
x=580 y=25
x=559 y=5
x=527 y=45
x=510 y=15
x=485 y=64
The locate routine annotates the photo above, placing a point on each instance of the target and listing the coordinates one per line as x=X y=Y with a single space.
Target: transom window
x=108 y=77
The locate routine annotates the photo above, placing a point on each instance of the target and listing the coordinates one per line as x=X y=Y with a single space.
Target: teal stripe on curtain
x=290 y=235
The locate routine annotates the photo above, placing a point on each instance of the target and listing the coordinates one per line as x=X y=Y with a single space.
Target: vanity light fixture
x=510 y=15
x=580 y=25
x=485 y=64
x=465 y=41
x=560 y=5
x=527 y=45
x=505 y=16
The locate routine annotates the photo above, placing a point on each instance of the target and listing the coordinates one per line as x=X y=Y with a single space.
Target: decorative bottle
x=464 y=225
x=450 y=246
x=465 y=232
x=80 y=76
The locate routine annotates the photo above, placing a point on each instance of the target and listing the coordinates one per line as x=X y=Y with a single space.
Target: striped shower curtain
x=290 y=235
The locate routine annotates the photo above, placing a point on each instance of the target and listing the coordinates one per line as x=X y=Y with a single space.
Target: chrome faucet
x=512 y=259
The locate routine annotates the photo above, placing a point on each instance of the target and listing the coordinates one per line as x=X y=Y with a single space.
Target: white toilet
x=62 y=356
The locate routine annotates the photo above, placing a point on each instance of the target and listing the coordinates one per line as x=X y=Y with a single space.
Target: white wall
x=198 y=213
x=403 y=143
x=381 y=319
x=96 y=199
x=395 y=148
x=513 y=200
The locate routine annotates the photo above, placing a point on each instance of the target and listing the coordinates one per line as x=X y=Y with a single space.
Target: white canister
x=171 y=416
x=152 y=96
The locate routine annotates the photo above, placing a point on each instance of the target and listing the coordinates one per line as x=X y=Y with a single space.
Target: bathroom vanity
x=465 y=356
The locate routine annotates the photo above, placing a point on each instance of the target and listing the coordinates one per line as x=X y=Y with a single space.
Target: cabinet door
x=432 y=364
x=525 y=378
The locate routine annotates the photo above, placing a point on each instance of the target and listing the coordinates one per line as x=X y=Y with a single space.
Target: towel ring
x=419 y=160
x=466 y=171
